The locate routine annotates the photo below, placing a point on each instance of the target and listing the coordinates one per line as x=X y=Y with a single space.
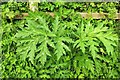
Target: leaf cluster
x=63 y=46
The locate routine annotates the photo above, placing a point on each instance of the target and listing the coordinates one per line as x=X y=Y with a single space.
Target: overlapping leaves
x=90 y=36
x=36 y=38
x=89 y=40
x=47 y=40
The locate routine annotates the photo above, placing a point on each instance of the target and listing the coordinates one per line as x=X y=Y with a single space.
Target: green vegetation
x=63 y=46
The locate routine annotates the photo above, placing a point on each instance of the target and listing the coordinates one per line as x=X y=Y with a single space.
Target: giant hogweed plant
x=90 y=36
x=49 y=47
x=97 y=45
x=36 y=40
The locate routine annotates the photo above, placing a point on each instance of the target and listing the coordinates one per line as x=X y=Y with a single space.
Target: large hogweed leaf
x=82 y=62
x=33 y=41
x=34 y=34
x=91 y=36
x=61 y=38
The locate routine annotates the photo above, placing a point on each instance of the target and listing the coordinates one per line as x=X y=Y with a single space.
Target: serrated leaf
x=93 y=48
x=97 y=29
x=112 y=37
x=89 y=65
x=51 y=34
x=87 y=29
x=23 y=34
x=38 y=56
x=32 y=24
x=51 y=44
x=56 y=24
x=82 y=46
x=76 y=43
x=67 y=39
x=59 y=51
x=65 y=46
x=82 y=27
x=102 y=58
x=31 y=54
x=24 y=55
x=21 y=48
x=107 y=44
x=59 y=54
x=43 y=58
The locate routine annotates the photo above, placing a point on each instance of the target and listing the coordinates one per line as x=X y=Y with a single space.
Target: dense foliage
x=63 y=46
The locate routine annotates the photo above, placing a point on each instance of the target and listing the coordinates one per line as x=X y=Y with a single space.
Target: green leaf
x=31 y=54
x=81 y=76
x=23 y=34
x=93 y=48
x=89 y=65
x=43 y=58
x=65 y=46
x=51 y=34
x=51 y=44
x=107 y=44
x=67 y=39
x=59 y=50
